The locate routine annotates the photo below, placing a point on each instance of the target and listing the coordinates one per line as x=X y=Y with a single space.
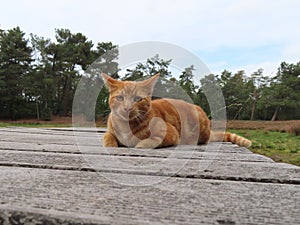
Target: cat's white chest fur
x=127 y=138
x=125 y=135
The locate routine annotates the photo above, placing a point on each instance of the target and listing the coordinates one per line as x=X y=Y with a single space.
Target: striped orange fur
x=230 y=137
x=137 y=121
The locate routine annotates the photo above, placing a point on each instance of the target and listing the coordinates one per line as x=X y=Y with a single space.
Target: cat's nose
x=127 y=109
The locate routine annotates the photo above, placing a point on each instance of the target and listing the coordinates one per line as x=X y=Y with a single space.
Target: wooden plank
x=214 y=161
x=212 y=168
x=61 y=176
x=63 y=130
x=39 y=139
x=84 y=137
x=73 y=197
x=97 y=148
x=44 y=138
x=231 y=154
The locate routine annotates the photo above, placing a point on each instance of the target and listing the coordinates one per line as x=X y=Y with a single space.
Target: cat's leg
x=162 y=135
x=171 y=138
x=109 y=140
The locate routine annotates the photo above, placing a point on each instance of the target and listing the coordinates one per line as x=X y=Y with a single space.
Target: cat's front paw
x=109 y=140
x=149 y=143
x=145 y=145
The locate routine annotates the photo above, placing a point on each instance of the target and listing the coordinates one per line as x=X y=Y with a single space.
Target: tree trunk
x=37 y=110
x=66 y=94
x=275 y=114
x=253 y=110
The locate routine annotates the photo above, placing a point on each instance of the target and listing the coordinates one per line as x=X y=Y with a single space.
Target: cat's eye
x=120 y=98
x=137 y=98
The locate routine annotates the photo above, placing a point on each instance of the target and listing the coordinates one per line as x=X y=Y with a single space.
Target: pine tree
x=186 y=82
x=15 y=65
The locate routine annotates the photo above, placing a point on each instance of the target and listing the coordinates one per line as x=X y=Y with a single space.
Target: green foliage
x=91 y=83
x=236 y=90
x=167 y=86
x=186 y=82
x=151 y=67
x=261 y=97
x=15 y=65
x=281 y=98
x=210 y=96
x=38 y=78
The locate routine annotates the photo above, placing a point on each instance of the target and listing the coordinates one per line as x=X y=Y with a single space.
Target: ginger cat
x=137 y=121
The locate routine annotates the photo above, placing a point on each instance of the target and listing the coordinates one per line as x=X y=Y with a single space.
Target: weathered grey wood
x=51 y=136
x=51 y=130
x=97 y=148
x=216 y=167
x=231 y=154
x=46 y=178
x=42 y=138
x=87 y=197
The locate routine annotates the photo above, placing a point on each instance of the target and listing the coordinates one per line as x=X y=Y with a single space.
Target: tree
x=186 y=82
x=73 y=55
x=107 y=55
x=95 y=101
x=152 y=66
x=282 y=95
x=58 y=69
x=43 y=79
x=209 y=96
x=289 y=75
x=15 y=65
x=236 y=89
x=259 y=83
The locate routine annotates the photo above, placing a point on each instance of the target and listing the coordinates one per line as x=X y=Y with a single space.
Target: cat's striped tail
x=229 y=137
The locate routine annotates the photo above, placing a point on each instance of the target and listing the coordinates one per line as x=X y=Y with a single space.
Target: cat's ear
x=109 y=82
x=150 y=83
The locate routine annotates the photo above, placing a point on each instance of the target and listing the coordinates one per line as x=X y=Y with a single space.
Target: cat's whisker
x=139 y=118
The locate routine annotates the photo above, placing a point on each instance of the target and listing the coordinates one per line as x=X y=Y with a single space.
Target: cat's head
x=130 y=99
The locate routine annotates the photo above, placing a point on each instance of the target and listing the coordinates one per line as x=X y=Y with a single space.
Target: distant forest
x=39 y=76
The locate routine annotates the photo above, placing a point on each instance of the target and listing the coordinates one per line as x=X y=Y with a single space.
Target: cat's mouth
x=127 y=116
x=132 y=115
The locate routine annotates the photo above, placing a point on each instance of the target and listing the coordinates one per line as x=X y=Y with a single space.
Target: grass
x=280 y=146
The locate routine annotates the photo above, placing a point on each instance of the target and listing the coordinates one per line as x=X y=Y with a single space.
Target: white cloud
x=269 y=68
x=292 y=52
x=192 y=24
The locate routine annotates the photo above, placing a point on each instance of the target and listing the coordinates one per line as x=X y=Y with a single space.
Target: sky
x=225 y=34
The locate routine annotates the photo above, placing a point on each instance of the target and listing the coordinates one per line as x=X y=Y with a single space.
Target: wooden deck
x=61 y=176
